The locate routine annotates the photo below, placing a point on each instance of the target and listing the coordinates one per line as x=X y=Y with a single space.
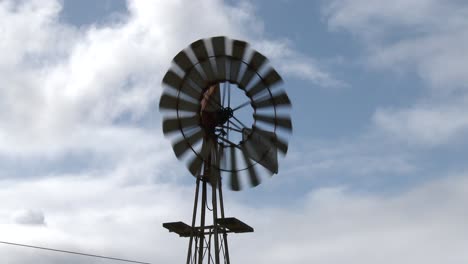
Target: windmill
x=228 y=119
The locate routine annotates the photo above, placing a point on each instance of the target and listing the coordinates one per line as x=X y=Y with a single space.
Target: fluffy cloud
x=330 y=225
x=424 y=38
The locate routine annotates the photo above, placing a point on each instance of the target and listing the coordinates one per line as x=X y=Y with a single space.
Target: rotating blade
x=271 y=79
x=219 y=46
x=196 y=77
x=254 y=65
x=260 y=149
x=234 y=183
x=279 y=143
x=184 y=144
x=219 y=49
x=201 y=52
x=183 y=61
x=172 y=80
x=251 y=169
x=221 y=69
x=197 y=161
x=257 y=61
x=199 y=49
x=281 y=99
x=171 y=125
x=280 y=121
x=238 y=50
x=173 y=103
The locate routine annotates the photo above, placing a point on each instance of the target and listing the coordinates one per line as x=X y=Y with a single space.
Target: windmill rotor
x=223 y=107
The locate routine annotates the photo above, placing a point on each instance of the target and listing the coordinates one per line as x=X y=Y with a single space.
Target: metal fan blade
x=172 y=80
x=195 y=165
x=281 y=99
x=280 y=121
x=221 y=69
x=251 y=169
x=254 y=65
x=234 y=173
x=199 y=49
x=183 y=61
x=173 y=103
x=278 y=143
x=234 y=73
x=201 y=52
x=238 y=50
x=219 y=46
x=204 y=154
x=246 y=78
x=271 y=79
x=260 y=149
x=257 y=61
x=196 y=77
x=174 y=124
x=184 y=144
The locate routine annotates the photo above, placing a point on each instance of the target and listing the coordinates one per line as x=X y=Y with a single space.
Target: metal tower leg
x=221 y=205
x=194 y=217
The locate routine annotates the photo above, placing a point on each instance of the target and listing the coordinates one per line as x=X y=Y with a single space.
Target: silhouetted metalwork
x=213 y=138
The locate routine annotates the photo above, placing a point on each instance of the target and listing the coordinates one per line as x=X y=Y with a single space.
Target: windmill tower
x=228 y=119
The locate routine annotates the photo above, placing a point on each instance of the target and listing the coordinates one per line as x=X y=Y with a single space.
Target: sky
x=375 y=171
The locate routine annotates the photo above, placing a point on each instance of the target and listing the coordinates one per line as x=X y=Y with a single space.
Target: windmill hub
x=224 y=115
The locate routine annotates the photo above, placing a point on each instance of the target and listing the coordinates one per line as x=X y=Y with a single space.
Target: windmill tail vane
x=227 y=118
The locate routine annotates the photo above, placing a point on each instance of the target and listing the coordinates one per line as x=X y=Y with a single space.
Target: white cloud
x=29 y=217
x=424 y=224
x=425 y=38
x=425 y=124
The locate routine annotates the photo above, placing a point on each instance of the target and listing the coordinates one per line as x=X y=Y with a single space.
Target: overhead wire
x=72 y=252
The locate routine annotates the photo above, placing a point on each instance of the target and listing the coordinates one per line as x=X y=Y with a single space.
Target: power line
x=72 y=252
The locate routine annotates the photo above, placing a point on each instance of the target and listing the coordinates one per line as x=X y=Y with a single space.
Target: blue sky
x=376 y=171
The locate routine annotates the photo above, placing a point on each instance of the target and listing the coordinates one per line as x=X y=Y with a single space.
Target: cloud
x=29 y=217
x=424 y=38
x=330 y=225
x=425 y=124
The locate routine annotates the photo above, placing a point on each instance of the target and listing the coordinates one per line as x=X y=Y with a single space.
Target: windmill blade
x=201 y=52
x=280 y=121
x=219 y=46
x=238 y=50
x=260 y=149
x=196 y=163
x=184 y=144
x=280 y=144
x=254 y=66
x=173 y=103
x=183 y=61
x=172 y=80
x=251 y=169
x=281 y=99
x=271 y=79
x=171 y=125
x=219 y=49
x=234 y=180
x=196 y=77
x=220 y=75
